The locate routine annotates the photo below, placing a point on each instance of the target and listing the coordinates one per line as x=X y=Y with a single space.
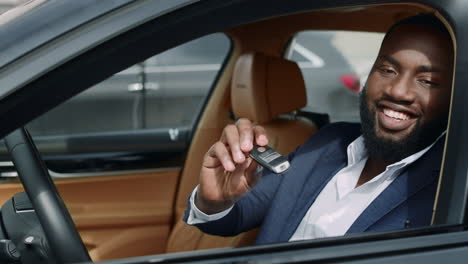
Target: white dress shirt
x=340 y=203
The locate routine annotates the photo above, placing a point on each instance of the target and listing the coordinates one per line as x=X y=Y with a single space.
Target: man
x=380 y=175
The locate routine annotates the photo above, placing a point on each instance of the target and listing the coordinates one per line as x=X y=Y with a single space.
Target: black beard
x=392 y=151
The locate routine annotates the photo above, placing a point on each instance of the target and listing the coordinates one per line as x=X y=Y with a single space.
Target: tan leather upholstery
x=262 y=89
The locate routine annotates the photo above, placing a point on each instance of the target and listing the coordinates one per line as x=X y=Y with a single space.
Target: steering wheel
x=60 y=231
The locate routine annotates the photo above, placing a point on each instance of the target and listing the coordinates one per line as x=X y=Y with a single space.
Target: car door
x=117 y=149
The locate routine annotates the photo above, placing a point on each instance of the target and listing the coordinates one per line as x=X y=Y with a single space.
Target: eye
x=428 y=83
x=386 y=70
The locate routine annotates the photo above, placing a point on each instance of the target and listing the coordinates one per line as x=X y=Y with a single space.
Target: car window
x=335 y=65
x=179 y=79
x=167 y=90
x=141 y=117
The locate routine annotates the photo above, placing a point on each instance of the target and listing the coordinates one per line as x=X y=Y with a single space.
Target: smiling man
x=374 y=176
x=405 y=104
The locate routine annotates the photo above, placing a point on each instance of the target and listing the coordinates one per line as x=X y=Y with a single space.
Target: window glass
x=335 y=65
x=179 y=79
x=164 y=91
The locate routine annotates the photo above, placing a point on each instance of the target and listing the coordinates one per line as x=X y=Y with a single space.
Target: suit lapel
x=326 y=167
x=415 y=178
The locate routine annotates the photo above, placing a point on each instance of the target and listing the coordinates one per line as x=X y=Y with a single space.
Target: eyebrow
x=422 y=68
x=428 y=68
x=390 y=59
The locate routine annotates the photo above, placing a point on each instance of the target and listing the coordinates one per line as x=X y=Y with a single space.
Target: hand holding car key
x=229 y=167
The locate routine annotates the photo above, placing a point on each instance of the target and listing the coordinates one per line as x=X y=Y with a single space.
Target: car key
x=270 y=159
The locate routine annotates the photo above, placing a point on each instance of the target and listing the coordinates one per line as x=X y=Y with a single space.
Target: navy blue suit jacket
x=278 y=203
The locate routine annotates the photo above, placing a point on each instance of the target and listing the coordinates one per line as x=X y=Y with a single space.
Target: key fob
x=270 y=159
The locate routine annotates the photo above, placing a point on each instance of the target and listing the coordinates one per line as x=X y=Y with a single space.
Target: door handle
x=138 y=87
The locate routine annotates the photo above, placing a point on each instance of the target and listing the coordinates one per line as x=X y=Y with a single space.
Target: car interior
x=139 y=212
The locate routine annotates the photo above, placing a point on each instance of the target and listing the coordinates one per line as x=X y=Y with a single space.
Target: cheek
x=371 y=84
x=436 y=104
x=373 y=92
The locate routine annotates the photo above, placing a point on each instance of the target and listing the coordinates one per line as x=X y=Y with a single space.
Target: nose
x=401 y=89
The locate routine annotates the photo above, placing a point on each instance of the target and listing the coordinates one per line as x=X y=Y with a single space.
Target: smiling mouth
x=395 y=118
x=395 y=114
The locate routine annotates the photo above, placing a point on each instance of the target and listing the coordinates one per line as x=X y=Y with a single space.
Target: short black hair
x=423 y=19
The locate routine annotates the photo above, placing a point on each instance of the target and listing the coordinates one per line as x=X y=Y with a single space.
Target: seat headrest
x=265 y=87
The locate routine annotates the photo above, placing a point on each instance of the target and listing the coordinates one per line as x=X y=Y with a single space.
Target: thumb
x=251 y=174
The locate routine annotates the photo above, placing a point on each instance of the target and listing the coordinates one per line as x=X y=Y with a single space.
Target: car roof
x=23 y=30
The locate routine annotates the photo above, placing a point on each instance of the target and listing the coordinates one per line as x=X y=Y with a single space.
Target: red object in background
x=351 y=82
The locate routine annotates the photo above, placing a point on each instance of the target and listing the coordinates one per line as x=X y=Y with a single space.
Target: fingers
x=236 y=141
x=251 y=174
x=218 y=153
x=261 y=138
x=243 y=135
x=246 y=134
x=232 y=138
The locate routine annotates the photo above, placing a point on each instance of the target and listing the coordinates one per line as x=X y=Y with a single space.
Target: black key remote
x=270 y=159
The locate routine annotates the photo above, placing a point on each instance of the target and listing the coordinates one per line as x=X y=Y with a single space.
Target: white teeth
x=395 y=114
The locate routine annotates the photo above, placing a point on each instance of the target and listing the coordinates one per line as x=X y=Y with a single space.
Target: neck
x=372 y=168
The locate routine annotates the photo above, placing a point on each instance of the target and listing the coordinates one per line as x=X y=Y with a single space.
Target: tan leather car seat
x=265 y=90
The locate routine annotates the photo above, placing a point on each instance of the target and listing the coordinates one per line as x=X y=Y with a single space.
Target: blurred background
x=5 y=5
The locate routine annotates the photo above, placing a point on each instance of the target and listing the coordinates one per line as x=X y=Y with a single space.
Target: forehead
x=435 y=45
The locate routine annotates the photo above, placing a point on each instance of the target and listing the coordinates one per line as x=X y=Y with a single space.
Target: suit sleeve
x=247 y=213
